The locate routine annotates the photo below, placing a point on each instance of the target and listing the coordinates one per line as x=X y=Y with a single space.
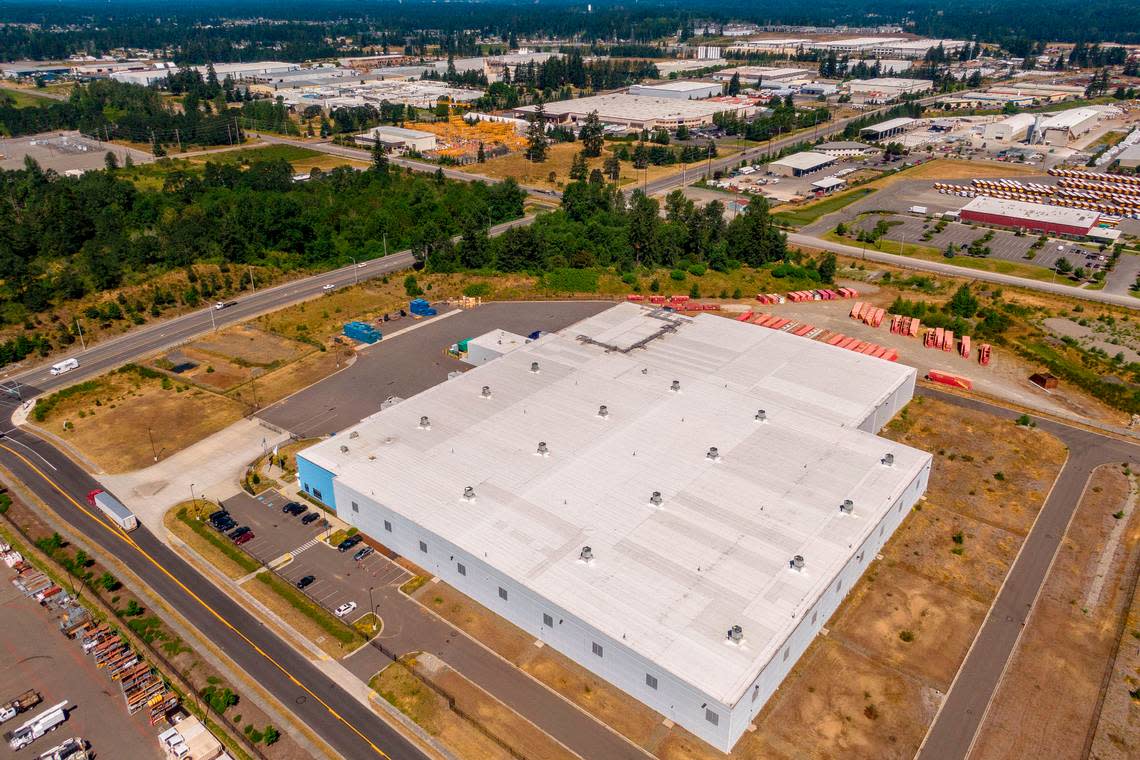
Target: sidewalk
x=213 y=467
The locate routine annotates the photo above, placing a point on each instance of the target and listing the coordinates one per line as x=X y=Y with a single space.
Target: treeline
x=598 y=226
x=64 y=238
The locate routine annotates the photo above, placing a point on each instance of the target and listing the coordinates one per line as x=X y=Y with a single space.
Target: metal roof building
x=799 y=164
x=1058 y=220
x=685 y=90
x=888 y=128
x=634 y=111
x=633 y=488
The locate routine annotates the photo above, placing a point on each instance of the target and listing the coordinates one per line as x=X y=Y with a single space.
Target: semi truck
x=49 y=720
x=64 y=366
x=22 y=703
x=114 y=509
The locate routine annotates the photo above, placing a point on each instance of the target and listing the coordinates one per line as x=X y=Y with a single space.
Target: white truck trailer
x=72 y=749
x=49 y=720
x=114 y=509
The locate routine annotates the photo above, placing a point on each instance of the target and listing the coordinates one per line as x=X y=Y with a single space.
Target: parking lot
x=37 y=656
x=339 y=578
x=907 y=228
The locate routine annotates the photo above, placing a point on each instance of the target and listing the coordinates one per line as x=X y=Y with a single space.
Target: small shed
x=1043 y=380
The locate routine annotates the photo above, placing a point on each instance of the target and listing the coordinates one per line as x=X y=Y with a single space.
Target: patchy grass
x=300 y=158
x=25 y=98
x=307 y=617
x=109 y=419
x=803 y=215
x=215 y=548
x=951 y=168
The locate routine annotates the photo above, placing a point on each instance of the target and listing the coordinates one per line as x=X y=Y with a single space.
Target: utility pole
x=213 y=324
x=355 y=272
x=194 y=499
x=252 y=284
x=80 y=329
x=178 y=139
x=152 y=449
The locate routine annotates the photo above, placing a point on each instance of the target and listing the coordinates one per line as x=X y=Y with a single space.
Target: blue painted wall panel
x=316 y=481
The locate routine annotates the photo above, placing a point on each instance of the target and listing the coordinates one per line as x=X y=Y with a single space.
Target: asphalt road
x=349 y=727
x=963 y=709
x=106 y=355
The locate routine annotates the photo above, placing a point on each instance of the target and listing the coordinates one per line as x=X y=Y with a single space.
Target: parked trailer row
x=804 y=330
x=142 y=687
x=908 y=326
x=868 y=313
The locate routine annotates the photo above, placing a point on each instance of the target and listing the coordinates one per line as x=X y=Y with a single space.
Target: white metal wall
x=714 y=722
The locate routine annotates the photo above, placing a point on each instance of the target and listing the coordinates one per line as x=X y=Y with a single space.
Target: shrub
x=906 y=635
x=697 y=270
x=677 y=275
x=476 y=290
x=567 y=280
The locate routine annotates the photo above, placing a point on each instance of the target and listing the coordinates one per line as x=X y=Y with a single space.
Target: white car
x=330 y=286
x=345 y=608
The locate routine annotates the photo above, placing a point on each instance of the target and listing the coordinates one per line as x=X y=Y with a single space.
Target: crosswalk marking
x=307 y=545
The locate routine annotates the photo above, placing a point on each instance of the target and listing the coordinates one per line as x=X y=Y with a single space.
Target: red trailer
x=945 y=378
x=915 y=326
x=744 y=316
x=657 y=299
x=891 y=355
x=984 y=354
x=947 y=340
x=634 y=297
x=964 y=348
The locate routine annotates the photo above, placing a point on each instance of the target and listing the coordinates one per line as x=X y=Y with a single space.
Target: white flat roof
x=984 y=204
x=1070 y=119
x=687 y=85
x=666 y=581
x=889 y=124
x=624 y=107
x=804 y=161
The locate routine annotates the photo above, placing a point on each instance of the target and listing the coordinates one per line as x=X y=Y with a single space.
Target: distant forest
x=290 y=30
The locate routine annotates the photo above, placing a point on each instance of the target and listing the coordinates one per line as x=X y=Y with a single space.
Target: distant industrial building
x=681 y=89
x=816 y=89
x=398 y=139
x=1069 y=125
x=751 y=75
x=1011 y=129
x=636 y=111
x=677 y=504
x=844 y=149
x=828 y=185
x=890 y=128
x=237 y=71
x=786 y=46
x=799 y=164
x=1129 y=158
x=886 y=89
x=1035 y=217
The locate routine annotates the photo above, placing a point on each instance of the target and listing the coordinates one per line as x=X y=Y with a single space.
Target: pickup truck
x=14 y=707
x=224 y=305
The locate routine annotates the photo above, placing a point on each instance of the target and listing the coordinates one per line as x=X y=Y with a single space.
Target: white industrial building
x=1069 y=125
x=888 y=128
x=750 y=75
x=1011 y=129
x=844 y=149
x=398 y=139
x=637 y=111
x=886 y=89
x=237 y=71
x=799 y=164
x=677 y=504
x=491 y=345
x=681 y=89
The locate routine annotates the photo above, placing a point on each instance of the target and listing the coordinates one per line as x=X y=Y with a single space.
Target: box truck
x=113 y=509
x=48 y=720
x=64 y=366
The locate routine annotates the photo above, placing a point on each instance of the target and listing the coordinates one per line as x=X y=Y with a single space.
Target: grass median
x=214 y=547
x=318 y=625
x=799 y=217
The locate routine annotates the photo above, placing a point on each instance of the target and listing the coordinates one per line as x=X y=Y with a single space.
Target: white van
x=64 y=366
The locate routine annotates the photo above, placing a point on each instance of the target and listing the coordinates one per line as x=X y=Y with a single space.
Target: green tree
x=963 y=303
x=592 y=135
x=733 y=85
x=379 y=158
x=1063 y=265
x=579 y=169
x=827 y=268
x=536 y=140
x=110 y=161
x=612 y=167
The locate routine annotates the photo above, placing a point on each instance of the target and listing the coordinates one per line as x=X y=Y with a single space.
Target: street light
x=194 y=499
x=152 y=449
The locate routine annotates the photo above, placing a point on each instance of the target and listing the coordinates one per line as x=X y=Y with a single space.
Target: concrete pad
x=214 y=466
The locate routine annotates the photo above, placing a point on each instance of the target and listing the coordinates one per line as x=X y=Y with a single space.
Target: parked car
x=293 y=508
x=224 y=524
x=311 y=517
x=224 y=305
x=239 y=532
x=218 y=515
x=307 y=581
x=348 y=543
x=330 y=286
x=244 y=538
x=345 y=608
x=362 y=553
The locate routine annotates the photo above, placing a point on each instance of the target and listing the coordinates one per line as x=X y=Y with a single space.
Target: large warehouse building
x=677 y=504
x=799 y=164
x=683 y=90
x=637 y=111
x=1036 y=217
x=1010 y=129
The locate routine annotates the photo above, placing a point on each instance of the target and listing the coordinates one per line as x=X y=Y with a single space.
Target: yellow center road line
x=114 y=530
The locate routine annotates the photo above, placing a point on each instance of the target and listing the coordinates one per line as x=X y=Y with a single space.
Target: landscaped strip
x=217 y=541
x=349 y=638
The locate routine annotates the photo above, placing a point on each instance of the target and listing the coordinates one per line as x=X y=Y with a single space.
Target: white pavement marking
x=307 y=545
x=1110 y=546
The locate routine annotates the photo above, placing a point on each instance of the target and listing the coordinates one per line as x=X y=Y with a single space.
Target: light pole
x=79 y=327
x=252 y=284
x=213 y=324
x=194 y=499
x=152 y=449
x=355 y=274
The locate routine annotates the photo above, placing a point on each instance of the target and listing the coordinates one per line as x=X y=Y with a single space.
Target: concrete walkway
x=214 y=467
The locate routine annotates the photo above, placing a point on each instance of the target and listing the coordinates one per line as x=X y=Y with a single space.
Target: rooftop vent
x=343 y=449
x=735 y=634
x=847 y=506
x=676 y=386
x=586 y=555
x=425 y=423
x=603 y=411
x=354 y=434
x=542 y=448
x=655 y=498
x=761 y=415
x=534 y=367
x=486 y=392
x=797 y=562
x=469 y=493
x=889 y=460
x=713 y=453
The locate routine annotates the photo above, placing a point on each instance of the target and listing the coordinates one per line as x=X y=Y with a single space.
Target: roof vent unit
x=797 y=562
x=713 y=453
x=603 y=411
x=542 y=449
x=735 y=634
x=486 y=392
x=425 y=423
x=586 y=555
x=676 y=386
x=343 y=449
x=534 y=367
x=889 y=460
x=761 y=416
x=847 y=506
x=655 y=499
x=469 y=493
x=354 y=434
